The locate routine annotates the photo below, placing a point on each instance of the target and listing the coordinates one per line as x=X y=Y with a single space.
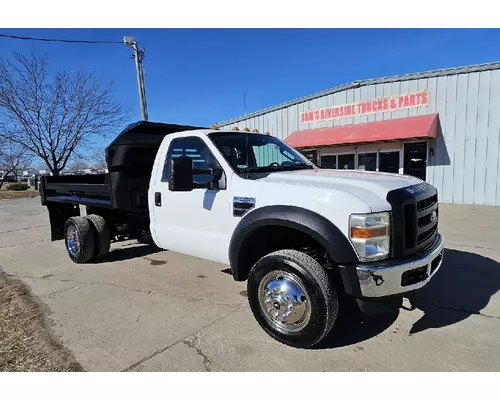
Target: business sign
x=367 y=107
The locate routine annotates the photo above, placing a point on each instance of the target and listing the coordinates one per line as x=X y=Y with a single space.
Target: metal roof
x=367 y=82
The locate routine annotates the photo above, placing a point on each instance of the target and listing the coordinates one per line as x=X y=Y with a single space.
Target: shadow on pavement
x=128 y=253
x=463 y=286
x=353 y=327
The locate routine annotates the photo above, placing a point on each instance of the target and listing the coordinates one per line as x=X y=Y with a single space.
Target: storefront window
x=367 y=158
x=346 y=161
x=415 y=159
x=389 y=162
x=367 y=161
x=329 y=162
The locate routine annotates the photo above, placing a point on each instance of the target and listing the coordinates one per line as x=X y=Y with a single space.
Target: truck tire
x=301 y=313
x=102 y=237
x=79 y=239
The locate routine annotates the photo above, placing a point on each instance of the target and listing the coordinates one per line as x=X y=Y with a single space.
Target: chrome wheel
x=284 y=301
x=73 y=241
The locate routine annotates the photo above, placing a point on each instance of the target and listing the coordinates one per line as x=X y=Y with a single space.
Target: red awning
x=392 y=129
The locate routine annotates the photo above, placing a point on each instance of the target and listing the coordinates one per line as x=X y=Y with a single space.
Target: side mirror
x=217 y=174
x=181 y=175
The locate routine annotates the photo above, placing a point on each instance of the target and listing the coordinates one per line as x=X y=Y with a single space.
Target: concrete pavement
x=141 y=310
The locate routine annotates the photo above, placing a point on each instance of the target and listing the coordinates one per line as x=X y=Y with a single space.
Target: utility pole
x=138 y=56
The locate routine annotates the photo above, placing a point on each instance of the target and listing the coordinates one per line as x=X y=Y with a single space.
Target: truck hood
x=371 y=187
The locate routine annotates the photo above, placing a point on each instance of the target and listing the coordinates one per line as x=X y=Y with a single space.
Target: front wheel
x=292 y=298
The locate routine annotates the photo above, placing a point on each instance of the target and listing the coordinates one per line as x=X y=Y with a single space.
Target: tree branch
x=54 y=115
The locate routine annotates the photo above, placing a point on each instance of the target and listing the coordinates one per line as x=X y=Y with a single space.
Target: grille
x=423 y=221
x=410 y=226
x=414 y=218
x=426 y=203
x=426 y=235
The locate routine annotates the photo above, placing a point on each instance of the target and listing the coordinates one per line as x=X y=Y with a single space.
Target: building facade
x=442 y=126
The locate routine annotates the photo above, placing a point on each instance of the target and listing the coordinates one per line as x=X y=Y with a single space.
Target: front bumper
x=393 y=277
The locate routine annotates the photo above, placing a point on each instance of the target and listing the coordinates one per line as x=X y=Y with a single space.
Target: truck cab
x=299 y=235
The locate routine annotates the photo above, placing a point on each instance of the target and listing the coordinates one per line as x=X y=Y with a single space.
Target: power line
x=2 y=35
x=127 y=40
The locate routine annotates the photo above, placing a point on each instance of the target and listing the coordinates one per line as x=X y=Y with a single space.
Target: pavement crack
x=456 y=245
x=58 y=291
x=24 y=229
x=464 y=310
x=23 y=244
x=6 y=212
x=186 y=298
x=220 y=338
x=195 y=344
x=157 y=352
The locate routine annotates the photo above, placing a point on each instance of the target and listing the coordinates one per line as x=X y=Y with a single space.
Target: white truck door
x=197 y=222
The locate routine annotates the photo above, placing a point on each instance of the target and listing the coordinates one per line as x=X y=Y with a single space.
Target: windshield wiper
x=297 y=166
x=279 y=168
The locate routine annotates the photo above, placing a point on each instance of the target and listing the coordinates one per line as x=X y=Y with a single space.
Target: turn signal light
x=366 y=233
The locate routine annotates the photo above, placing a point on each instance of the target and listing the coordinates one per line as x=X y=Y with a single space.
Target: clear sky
x=198 y=76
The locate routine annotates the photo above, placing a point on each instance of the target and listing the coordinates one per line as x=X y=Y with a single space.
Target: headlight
x=370 y=235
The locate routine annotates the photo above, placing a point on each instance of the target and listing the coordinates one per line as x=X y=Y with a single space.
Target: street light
x=129 y=40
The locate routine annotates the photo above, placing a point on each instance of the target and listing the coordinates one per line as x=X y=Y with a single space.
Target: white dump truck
x=298 y=234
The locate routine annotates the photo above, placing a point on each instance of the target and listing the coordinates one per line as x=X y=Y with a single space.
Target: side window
x=198 y=151
x=235 y=156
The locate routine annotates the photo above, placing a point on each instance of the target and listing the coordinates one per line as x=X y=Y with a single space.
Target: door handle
x=157 y=199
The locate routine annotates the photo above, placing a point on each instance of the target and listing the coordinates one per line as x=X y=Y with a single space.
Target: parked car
x=9 y=178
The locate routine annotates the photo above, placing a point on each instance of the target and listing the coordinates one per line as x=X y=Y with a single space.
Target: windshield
x=251 y=152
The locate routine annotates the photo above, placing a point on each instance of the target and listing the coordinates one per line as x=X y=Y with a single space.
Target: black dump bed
x=89 y=190
x=130 y=158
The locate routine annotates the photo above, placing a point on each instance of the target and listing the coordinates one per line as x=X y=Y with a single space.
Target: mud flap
x=59 y=213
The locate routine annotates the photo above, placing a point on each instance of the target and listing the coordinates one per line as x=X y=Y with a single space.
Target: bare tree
x=78 y=165
x=99 y=159
x=39 y=166
x=53 y=116
x=13 y=158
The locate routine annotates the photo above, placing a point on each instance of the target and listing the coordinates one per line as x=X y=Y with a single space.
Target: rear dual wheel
x=86 y=238
x=292 y=298
x=80 y=239
x=102 y=235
